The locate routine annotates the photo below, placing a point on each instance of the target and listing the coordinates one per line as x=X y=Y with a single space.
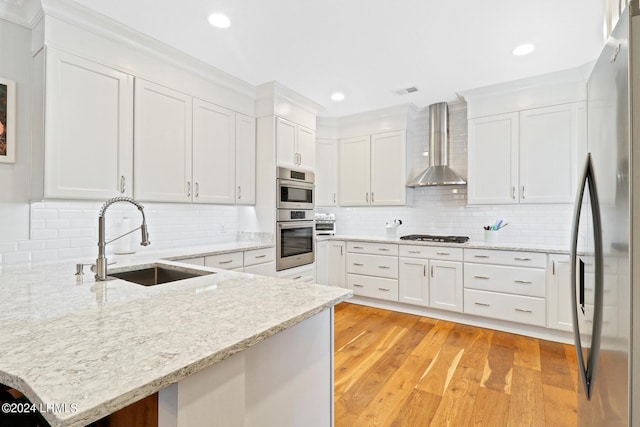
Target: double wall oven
x=294 y=219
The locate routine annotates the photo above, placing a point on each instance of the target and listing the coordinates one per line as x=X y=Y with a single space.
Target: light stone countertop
x=100 y=346
x=469 y=245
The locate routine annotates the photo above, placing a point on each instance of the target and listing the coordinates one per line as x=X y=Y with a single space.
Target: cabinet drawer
x=514 y=308
x=372 y=248
x=515 y=258
x=510 y=280
x=259 y=256
x=300 y=274
x=431 y=252
x=373 y=265
x=374 y=287
x=227 y=261
x=199 y=260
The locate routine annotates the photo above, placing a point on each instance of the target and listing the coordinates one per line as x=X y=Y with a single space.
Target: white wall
x=443 y=210
x=15 y=64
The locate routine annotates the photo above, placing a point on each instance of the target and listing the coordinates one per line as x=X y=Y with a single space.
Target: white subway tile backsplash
x=16 y=257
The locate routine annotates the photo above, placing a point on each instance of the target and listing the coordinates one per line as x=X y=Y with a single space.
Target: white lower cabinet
x=413 y=281
x=227 y=261
x=255 y=261
x=303 y=273
x=337 y=270
x=506 y=285
x=431 y=276
x=559 y=308
x=260 y=261
x=370 y=274
x=445 y=286
x=198 y=260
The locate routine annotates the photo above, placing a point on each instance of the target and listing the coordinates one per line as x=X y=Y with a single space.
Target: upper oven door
x=295 y=195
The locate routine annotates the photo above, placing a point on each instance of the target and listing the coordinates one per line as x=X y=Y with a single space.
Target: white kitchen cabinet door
x=89 y=129
x=337 y=271
x=493 y=160
x=388 y=169
x=548 y=157
x=162 y=149
x=413 y=281
x=558 y=296
x=354 y=175
x=326 y=172
x=214 y=153
x=322 y=262
x=445 y=285
x=286 y=153
x=245 y=160
x=306 y=148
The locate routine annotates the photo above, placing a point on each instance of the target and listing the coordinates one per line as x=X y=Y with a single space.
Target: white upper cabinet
x=295 y=145
x=493 y=159
x=214 y=153
x=548 y=153
x=187 y=150
x=372 y=170
x=326 y=172
x=88 y=140
x=163 y=124
x=245 y=160
x=525 y=157
x=354 y=171
x=388 y=169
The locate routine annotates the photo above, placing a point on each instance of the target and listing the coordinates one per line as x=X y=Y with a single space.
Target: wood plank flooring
x=395 y=369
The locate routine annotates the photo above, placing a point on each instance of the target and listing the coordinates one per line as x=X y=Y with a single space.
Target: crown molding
x=25 y=13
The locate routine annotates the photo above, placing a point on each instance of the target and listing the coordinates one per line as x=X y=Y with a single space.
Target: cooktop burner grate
x=432 y=238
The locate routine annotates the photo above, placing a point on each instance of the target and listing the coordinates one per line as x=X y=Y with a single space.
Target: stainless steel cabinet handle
x=341 y=248
x=372 y=199
x=513 y=192
x=522 y=282
x=358 y=247
x=522 y=259
x=188 y=188
x=225 y=262
x=358 y=264
x=443 y=253
x=523 y=191
x=239 y=192
x=414 y=252
x=384 y=249
x=297 y=277
x=482 y=304
x=481 y=256
x=366 y=196
x=424 y=270
x=260 y=256
x=553 y=268
x=334 y=197
x=123 y=186
x=384 y=267
x=355 y=285
x=481 y=277
x=523 y=311
x=384 y=289
x=432 y=271
x=197 y=188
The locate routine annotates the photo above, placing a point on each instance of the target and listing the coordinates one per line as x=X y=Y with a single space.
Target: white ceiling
x=370 y=48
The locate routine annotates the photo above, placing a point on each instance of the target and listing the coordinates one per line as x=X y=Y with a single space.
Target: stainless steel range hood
x=438 y=172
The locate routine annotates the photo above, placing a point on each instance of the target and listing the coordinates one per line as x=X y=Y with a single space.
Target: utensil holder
x=491 y=236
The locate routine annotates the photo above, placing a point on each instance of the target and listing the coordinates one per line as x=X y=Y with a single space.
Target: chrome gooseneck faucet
x=101 y=261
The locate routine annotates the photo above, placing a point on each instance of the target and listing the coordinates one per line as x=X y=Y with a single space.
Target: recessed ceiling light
x=523 y=49
x=219 y=20
x=337 y=96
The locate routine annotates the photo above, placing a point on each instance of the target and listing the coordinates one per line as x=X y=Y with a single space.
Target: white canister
x=491 y=236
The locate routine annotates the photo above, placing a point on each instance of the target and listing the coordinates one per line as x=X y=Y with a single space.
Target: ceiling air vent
x=405 y=91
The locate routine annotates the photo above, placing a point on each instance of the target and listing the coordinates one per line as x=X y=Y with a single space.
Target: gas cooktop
x=432 y=238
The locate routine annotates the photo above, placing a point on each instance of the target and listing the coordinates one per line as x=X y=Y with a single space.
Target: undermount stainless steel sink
x=158 y=274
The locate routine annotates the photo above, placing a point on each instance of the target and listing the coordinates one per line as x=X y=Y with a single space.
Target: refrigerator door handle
x=587 y=368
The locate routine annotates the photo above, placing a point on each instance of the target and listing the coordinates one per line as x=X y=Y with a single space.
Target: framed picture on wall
x=7 y=121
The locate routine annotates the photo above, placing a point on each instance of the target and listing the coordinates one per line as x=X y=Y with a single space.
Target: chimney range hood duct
x=438 y=172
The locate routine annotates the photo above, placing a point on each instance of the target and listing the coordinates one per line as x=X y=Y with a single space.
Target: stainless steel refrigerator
x=605 y=248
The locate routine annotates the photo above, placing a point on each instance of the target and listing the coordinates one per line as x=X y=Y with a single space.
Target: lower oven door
x=294 y=244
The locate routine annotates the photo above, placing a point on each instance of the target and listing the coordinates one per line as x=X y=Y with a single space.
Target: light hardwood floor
x=395 y=369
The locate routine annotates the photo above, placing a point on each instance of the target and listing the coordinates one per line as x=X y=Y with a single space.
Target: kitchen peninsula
x=239 y=346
